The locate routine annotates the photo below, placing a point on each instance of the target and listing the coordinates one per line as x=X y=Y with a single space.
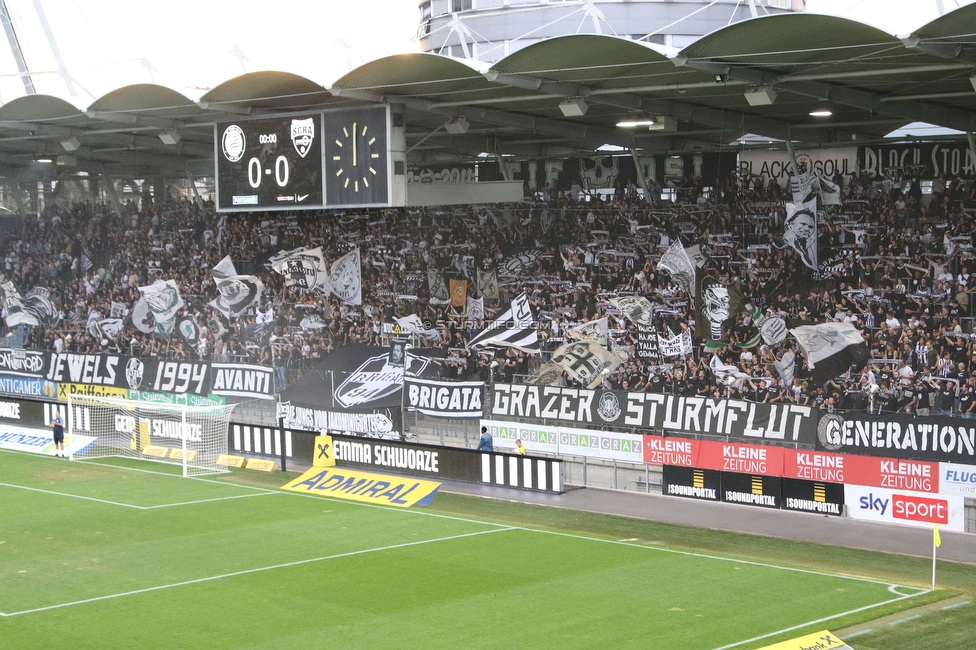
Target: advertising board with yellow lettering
x=366 y=487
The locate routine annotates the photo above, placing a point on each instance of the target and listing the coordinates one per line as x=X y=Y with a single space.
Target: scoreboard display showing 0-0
x=270 y=163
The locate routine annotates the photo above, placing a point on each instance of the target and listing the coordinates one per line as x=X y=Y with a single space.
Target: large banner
x=676 y=414
x=776 y=164
x=950 y=158
x=50 y=374
x=444 y=399
x=386 y=423
x=933 y=438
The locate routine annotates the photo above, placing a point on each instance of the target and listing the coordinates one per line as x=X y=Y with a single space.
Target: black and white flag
x=676 y=263
x=346 y=278
x=637 y=309
x=189 y=329
x=594 y=330
x=14 y=310
x=800 y=230
x=302 y=267
x=831 y=349
x=586 y=361
x=438 y=288
x=515 y=328
x=237 y=293
x=488 y=284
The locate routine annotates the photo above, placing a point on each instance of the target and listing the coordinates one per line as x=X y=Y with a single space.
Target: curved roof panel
x=146 y=99
x=958 y=25
x=790 y=41
x=590 y=59
x=270 y=91
x=38 y=107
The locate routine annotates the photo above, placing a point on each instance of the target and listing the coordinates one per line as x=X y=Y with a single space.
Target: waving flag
x=831 y=349
x=346 y=278
x=515 y=328
x=163 y=299
x=800 y=230
x=676 y=263
x=303 y=268
x=586 y=361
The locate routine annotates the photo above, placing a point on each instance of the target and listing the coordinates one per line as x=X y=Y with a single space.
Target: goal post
x=193 y=437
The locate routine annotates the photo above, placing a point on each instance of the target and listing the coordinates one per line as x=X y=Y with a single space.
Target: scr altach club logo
x=303 y=135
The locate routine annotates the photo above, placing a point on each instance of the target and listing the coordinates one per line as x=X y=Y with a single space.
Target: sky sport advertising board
x=904 y=507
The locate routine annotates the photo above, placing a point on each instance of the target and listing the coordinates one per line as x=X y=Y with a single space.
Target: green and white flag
x=163 y=299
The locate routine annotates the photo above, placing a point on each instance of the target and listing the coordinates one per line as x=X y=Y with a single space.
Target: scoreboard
x=304 y=161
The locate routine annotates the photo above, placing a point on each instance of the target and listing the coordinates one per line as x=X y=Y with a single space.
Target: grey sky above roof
x=874 y=81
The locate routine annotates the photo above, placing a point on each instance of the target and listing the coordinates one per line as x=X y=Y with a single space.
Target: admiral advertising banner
x=752 y=489
x=445 y=399
x=905 y=507
x=721 y=417
x=704 y=484
x=567 y=441
x=812 y=496
x=933 y=438
x=365 y=487
x=407 y=458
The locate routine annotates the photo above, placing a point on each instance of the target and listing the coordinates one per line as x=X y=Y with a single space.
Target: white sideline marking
x=257 y=570
x=816 y=622
x=130 y=505
x=727 y=559
x=75 y=496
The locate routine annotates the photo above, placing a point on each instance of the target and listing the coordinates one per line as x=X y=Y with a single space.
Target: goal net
x=193 y=437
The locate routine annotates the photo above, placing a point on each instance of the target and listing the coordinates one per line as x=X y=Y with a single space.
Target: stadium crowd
x=897 y=264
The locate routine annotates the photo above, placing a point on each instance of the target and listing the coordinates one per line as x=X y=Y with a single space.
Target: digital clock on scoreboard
x=270 y=163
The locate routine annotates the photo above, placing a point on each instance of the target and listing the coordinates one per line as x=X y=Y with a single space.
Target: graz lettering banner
x=445 y=399
x=674 y=413
x=933 y=438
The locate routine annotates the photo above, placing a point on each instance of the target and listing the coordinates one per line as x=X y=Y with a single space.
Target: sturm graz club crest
x=233 y=143
x=608 y=407
x=303 y=135
x=829 y=431
x=134 y=371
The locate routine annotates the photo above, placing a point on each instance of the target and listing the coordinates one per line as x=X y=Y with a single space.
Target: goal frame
x=213 y=412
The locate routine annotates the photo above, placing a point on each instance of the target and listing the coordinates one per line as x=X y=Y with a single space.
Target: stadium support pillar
x=113 y=196
x=789 y=150
x=972 y=144
x=640 y=173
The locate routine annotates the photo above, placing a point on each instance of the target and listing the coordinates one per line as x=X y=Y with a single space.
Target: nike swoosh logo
x=302 y=197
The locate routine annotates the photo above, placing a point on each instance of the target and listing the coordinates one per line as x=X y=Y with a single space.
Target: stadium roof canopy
x=524 y=105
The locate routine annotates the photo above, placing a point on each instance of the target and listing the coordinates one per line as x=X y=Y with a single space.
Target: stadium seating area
x=895 y=262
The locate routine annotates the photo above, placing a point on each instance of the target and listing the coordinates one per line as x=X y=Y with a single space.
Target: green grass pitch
x=97 y=555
